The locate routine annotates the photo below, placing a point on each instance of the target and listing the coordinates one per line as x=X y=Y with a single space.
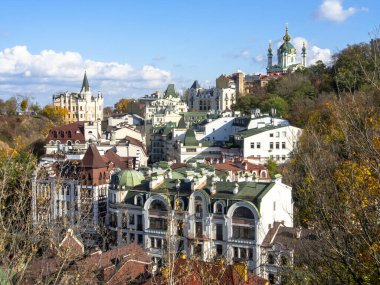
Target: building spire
x=85 y=85
x=287 y=38
x=304 y=48
x=270 y=48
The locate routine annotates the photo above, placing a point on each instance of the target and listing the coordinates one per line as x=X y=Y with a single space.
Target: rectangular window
x=271 y=135
x=277 y=157
x=271 y=145
x=131 y=219
x=140 y=239
x=274 y=205
x=252 y=145
x=219 y=250
x=131 y=237
x=219 y=232
x=283 y=157
x=236 y=252
x=250 y=254
x=277 y=145
x=283 y=145
x=198 y=229
x=277 y=134
x=284 y=134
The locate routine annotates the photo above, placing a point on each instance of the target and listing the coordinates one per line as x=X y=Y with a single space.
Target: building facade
x=216 y=99
x=190 y=209
x=82 y=106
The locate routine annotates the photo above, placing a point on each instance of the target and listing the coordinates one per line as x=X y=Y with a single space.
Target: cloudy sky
x=131 y=48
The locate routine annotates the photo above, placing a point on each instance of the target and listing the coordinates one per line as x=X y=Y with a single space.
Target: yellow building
x=82 y=106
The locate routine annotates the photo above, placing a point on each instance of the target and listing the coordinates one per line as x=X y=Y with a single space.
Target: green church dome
x=130 y=178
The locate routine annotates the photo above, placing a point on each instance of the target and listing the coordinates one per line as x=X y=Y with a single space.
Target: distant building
x=215 y=99
x=286 y=57
x=268 y=141
x=82 y=106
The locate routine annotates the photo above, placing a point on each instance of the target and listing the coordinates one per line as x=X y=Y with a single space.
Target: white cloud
x=333 y=10
x=314 y=53
x=50 y=71
x=259 y=58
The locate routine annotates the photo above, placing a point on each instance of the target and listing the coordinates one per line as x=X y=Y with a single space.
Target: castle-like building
x=82 y=106
x=286 y=56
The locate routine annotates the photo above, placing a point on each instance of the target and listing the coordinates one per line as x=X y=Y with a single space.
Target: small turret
x=303 y=54
x=270 y=55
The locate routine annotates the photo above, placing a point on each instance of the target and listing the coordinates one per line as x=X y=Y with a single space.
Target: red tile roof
x=69 y=132
x=92 y=158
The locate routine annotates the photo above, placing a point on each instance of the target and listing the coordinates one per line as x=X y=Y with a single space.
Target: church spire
x=287 y=38
x=85 y=85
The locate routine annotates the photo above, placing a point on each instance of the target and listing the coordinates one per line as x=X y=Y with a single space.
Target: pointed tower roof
x=92 y=158
x=85 y=85
x=195 y=85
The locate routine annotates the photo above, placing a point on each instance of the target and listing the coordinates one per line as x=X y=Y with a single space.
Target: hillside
x=23 y=132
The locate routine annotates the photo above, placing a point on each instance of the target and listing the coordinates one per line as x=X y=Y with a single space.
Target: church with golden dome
x=286 y=57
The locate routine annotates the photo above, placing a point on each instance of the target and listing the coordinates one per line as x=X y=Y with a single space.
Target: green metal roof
x=130 y=178
x=190 y=139
x=170 y=91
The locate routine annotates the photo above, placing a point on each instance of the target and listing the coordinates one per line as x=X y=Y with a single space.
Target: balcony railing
x=243 y=221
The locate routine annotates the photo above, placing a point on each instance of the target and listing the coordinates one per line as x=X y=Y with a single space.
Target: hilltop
x=23 y=132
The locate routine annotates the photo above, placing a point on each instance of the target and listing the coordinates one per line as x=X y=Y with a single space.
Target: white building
x=217 y=99
x=201 y=214
x=268 y=142
x=82 y=106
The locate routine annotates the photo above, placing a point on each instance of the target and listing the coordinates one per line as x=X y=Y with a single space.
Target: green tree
x=277 y=103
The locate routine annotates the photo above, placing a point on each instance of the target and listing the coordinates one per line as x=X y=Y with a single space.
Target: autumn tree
x=121 y=105
x=56 y=114
x=24 y=104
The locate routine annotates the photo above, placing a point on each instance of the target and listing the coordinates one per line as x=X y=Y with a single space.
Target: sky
x=132 y=48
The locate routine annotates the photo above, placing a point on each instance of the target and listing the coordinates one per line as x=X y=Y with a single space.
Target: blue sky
x=131 y=48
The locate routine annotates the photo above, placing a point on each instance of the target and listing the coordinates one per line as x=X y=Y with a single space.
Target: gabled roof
x=92 y=158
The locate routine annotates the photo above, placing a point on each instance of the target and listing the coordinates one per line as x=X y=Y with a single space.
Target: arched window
x=198 y=207
x=263 y=174
x=100 y=176
x=243 y=212
x=55 y=135
x=69 y=143
x=157 y=205
x=219 y=208
x=62 y=134
x=69 y=134
x=243 y=224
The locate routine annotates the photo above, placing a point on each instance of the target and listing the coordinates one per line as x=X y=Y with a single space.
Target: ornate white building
x=217 y=99
x=190 y=209
x=82 y=106
x=286 y=56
